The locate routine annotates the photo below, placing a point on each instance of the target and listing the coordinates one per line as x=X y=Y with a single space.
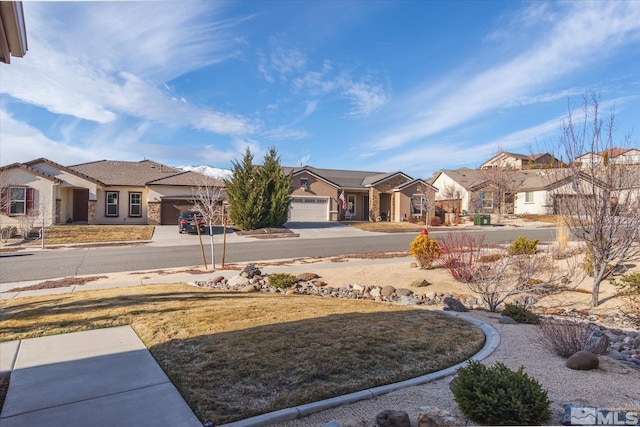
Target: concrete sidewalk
x=103 y=377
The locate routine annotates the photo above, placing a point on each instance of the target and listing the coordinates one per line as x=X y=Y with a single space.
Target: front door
x=80 y=205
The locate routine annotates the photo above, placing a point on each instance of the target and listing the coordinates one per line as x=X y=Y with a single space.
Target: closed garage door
x=171 y=209
x=309 y=209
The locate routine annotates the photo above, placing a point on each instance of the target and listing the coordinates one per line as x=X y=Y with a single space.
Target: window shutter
x=5 y=200
x=29 y=200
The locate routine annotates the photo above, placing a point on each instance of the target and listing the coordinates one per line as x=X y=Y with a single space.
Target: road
x=41 y=265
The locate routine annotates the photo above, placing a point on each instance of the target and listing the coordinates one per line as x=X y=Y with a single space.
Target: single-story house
x=339 y=195
x=102 y=192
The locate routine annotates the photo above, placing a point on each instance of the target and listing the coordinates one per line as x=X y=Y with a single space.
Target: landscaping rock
x=583 y=360
x=238 y=281
x=408 y=300
x=506 y=320
x=430 y=416
x=413 y=265
x=420 y=283
x=305 y=277
x=249 y=288
x=390 y=418
x=320 y=283
x=387 y=291
x=454 y=304
x=403 y=292
x=597 y=342
x=217 y=279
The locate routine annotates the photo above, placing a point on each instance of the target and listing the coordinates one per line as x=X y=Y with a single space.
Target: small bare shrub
x=435 y=221
x=563 y=337
x=459 y=254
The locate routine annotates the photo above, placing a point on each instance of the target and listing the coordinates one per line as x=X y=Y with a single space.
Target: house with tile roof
x=102 y=192
x=349 y=195
x=616 y=155
x=515 y=161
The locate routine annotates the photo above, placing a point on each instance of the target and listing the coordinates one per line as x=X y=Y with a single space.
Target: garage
x=171 y=208
x=309 y=209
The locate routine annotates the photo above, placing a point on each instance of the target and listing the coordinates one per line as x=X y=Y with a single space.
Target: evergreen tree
x=245 y=195
x=277 y=188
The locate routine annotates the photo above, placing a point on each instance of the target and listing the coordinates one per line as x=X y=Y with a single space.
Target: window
x=304 y=183
x=135 y=204
x=351 y=204
x=486 y=199
x=528 y=197
x=17 y=200
x=417 y=205
x=111 y=208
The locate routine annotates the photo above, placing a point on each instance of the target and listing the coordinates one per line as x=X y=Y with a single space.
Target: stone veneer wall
x=153 y=213
x=374 y=197
x=58 y=210
x=92 y=217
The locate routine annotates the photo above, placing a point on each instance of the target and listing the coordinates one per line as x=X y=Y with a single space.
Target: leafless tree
x=504 y=181
x=602 y=208
x=208 y=199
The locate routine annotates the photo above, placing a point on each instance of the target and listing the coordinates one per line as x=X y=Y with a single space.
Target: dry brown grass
x=60 y=283
x=65 y=234
x=553 y=219
x=387 y=227
x=237 y=355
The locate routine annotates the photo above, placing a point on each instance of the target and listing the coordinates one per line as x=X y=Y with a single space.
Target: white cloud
x=585 y=33
x=365 y=98
x=114 y=59
x=280 y=61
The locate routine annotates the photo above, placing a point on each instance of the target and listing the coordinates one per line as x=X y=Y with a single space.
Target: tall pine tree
x=244 y=193
x=258 y=195
x=277 y=188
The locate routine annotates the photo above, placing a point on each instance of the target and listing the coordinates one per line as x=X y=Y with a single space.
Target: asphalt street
x=37 y=264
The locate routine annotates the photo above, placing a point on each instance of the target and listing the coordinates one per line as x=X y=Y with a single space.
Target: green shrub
x=523 y=246
x=282 y=280
x=496 y=395
x=425 y=250
x=520 y=314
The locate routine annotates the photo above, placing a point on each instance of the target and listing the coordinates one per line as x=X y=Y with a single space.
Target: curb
x=492 y=340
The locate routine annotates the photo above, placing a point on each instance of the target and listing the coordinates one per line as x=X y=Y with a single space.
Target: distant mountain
x=208 y=170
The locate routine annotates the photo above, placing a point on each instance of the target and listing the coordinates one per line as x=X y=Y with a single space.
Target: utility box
x=485 y=219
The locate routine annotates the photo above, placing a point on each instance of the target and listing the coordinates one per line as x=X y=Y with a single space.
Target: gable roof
x=414 y=181
x=124 y=173
x=34 y=162
x=30 y=170
x=187 y=179
x=346 y=179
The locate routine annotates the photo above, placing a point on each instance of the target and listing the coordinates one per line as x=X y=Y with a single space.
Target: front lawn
x=65 y=234
x=386 y=227
x=236 y=355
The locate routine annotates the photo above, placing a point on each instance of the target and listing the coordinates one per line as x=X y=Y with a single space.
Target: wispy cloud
x=280 y=61
x=115 y=59
x=581 y=34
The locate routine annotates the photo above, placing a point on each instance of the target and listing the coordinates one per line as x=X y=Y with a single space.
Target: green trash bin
x=485 y=219
x=476 y=219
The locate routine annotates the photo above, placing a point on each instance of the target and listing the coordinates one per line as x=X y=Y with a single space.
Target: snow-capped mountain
x=209 y=171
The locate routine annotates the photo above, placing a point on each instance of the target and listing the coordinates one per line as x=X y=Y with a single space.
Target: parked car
x=187 y=222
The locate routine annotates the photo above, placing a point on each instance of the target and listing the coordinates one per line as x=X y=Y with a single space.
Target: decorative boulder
x=403 y=292
x=387 y=291
x=217 y=279
x=420 y=283
x=413 y=265
x=305 y=277
x=238 y=281
x=597 y=342
x=430 y=416
x=249 y=288
x=390 y=418
x=583 y=360
x=506 y=320
x=454 y=304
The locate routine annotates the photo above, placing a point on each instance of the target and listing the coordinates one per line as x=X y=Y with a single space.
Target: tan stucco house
x=343 y=195
x=102 y=192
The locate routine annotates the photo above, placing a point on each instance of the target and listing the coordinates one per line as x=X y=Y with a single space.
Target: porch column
x=58 y=210
x=153 y=213
x=374 y=204
x=92 y=216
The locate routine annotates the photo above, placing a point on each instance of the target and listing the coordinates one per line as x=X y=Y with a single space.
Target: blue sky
x=416 y=86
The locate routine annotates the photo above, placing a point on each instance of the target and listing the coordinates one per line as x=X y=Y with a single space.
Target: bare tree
x=504 y=181
x=602 y=206
x=208 y=199
x=511 y=276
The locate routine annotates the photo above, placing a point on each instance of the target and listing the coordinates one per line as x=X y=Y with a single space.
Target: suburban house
x=505 y=160
x=339 y=195
x=102 y=192
x=533 y=191
x=621 y=156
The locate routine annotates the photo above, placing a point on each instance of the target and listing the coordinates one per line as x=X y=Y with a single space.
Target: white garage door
x=309 y=209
